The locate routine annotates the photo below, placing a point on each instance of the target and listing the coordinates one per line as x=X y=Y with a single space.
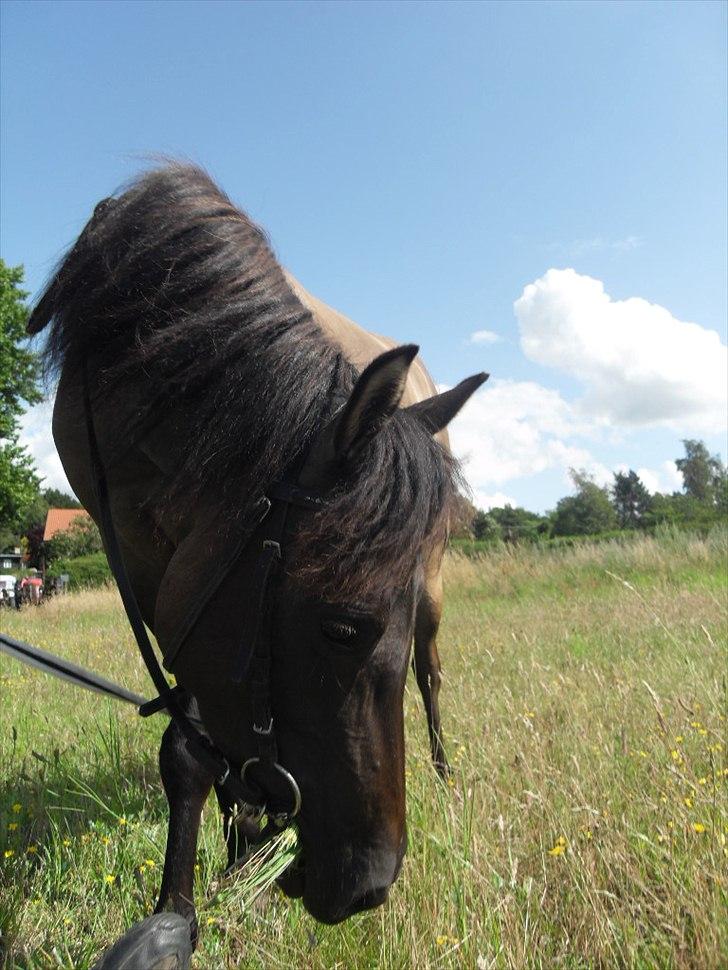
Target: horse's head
x=341 y=631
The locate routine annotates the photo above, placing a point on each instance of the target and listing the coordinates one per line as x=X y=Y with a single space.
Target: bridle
x=246 y=797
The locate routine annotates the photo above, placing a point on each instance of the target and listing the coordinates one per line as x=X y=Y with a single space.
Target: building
x=58 y=520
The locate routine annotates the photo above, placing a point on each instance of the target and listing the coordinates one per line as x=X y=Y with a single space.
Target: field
x=584 y=705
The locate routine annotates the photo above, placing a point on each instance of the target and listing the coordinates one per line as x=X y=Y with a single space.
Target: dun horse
x=212 y=389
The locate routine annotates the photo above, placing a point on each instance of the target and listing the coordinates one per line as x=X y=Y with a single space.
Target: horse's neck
x=360 y=346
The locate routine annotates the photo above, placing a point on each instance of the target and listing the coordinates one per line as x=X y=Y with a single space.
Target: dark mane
x=172 y=281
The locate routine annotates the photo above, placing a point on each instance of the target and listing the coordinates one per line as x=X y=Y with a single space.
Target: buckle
x=266 y=732
x=272 y=544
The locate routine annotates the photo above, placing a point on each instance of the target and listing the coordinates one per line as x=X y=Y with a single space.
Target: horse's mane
x=171 y=280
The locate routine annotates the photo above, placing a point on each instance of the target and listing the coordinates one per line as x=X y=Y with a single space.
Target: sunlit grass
x=584 y=705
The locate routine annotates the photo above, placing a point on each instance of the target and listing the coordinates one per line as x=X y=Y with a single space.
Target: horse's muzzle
x=326 y=895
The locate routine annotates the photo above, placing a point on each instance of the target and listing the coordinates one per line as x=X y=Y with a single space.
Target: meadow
x=585 y=825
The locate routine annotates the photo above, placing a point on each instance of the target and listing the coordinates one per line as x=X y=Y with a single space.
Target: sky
x=537 y=190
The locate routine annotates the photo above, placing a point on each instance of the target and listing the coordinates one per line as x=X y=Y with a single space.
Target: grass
x=585 y=708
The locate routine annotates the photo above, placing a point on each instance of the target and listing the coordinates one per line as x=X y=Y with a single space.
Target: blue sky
x=419 y=166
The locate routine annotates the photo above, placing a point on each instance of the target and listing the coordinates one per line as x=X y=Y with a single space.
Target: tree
x=586 y=513
x=517 y=524
x=19 y=485
x=56 y=499
x=18 y=365
x=485 y=527
x=19 y=369
x=631 y=499
x=702 y=472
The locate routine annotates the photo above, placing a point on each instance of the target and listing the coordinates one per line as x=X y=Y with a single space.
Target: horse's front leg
x=426 y=664
x=187 y=785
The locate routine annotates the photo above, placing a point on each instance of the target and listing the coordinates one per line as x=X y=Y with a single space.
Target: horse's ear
x=373 y=401
x=438 y=411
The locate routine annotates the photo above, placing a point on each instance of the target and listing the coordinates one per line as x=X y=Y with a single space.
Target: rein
x=242 y=793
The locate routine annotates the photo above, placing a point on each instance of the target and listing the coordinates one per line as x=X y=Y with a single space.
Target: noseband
x=241 y=792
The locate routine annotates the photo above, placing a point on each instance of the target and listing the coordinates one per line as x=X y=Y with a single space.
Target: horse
x=219 y=396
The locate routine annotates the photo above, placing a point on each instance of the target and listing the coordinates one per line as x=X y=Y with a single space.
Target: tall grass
x=585 y=708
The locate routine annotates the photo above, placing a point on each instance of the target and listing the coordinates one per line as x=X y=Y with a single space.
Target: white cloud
x=639 y=365
x=496 y=500
x=485 y=337
x=596 y=244
x=35 y=434
x=666 y=479
x=515 y=429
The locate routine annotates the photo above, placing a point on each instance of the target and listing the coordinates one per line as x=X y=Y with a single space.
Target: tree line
x=625 y=504
x=24 y=503
x=591 y=510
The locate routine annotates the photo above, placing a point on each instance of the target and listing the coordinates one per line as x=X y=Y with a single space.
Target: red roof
x=58 y=520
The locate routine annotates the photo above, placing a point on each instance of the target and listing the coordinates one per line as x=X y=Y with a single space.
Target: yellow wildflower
x=17 y=807
x=109 y=878
x=66 y=842
x=702 y=731
x=671 y=824
x=105 y=840
x=210 y=920
x=122 y=820
x=151 y=863
x=441 y=940
x=688 y=801
x=12 y=826
x=560 y=846
x=679 y=738
x=702 y=781
x=698 y=827
x=32 y=849
x=9 y=853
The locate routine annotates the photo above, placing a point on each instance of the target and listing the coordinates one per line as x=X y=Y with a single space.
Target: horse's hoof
x=443 y=769
x=159 y=942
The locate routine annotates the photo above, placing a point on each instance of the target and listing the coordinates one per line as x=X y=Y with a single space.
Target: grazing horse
x=211 y=382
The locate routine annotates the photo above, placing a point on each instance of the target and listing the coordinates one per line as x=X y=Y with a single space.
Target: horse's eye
x=338 y=630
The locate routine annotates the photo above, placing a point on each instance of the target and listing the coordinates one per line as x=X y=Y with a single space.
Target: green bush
x=84 y=571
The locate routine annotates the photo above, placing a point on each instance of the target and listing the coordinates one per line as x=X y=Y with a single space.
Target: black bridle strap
x=216 y=578
x=264 y=569
x=293 y=494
